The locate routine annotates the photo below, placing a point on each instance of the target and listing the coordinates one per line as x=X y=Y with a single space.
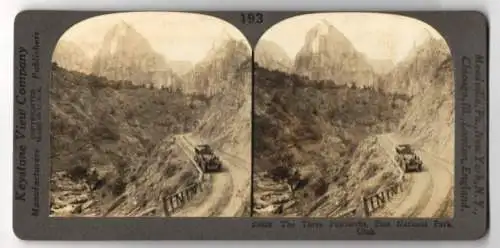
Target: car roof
x=203 y=148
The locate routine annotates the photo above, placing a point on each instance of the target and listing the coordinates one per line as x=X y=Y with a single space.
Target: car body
x=407 y=159
x=206 y=159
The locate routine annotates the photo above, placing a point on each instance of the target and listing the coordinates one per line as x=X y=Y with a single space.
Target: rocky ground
x=114 y=131
x=369 y=169
x=71 y=197
x=98 y=192
x=272 y=198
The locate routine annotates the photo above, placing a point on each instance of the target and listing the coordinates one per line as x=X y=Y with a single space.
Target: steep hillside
x=416 y=73
x=328 y=55
x=126 y=55
x=290 y=110
x=364 y=173
x=315 y=127
x=431 y=116
x=70 y=56
x=115 y=137
x=428 y=121
x=227 y=122
x=271 y=56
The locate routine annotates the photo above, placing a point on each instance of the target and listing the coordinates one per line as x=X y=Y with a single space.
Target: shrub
x=319 y=187
x=118 y=187
x=78 y=172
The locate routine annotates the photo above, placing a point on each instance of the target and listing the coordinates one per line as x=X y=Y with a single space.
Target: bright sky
x=178 y=36
x=188 y=37
x=379 y=36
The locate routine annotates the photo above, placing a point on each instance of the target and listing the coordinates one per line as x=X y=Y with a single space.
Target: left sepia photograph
x=150 y=116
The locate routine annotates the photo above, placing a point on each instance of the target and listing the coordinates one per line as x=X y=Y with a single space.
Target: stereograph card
x=250 y=125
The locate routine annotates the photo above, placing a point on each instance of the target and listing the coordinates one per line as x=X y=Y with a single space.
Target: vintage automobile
x=206 y=159
x=407 y=159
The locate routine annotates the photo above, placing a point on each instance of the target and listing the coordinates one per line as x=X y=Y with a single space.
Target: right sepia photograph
x=353 y=117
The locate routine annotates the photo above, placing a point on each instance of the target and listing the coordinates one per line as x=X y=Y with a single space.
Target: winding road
x=427 y=195
x=229 y=188
x=428 y=192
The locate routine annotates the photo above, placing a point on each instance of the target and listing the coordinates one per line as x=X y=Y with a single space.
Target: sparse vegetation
x=297 y=115
x=314 y=128
x=116 y=128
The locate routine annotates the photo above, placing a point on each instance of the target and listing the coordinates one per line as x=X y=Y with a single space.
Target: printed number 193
x=252 y=18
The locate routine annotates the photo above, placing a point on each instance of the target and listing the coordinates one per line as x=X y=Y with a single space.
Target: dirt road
x=428 y=191
x=229 y=190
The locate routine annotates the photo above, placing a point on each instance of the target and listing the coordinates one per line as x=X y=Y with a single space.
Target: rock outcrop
x=70 y=56
x=419 y=70
x=430 y=118
x=227 y=123
x=126 y=55
x=271 y=56
x=216 y=72
x=328 y=55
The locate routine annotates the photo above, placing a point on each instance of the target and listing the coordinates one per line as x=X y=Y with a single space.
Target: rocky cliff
x=227 y=123
x=418 y=71
x=430 y=118
x=328 y=55
x=216 y=72
x=270 y=55
x=126 y=55
x=70 y=56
